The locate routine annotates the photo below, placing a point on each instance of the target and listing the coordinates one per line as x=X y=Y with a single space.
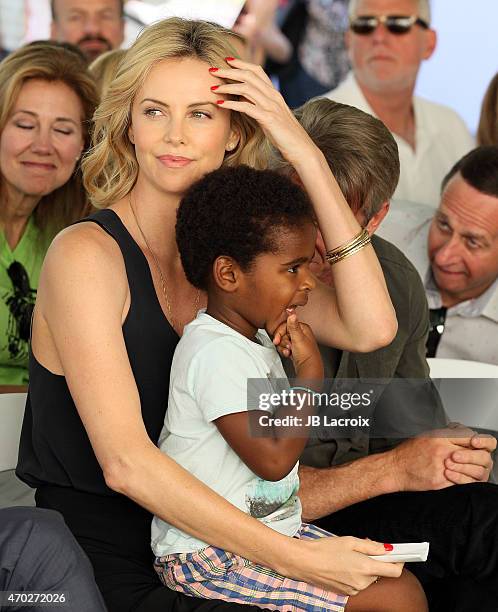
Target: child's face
x=278 y=283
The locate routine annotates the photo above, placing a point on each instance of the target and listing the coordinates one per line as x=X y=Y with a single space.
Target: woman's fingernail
x=220 y=101
x=213 y=69
x=388 y=547
x=229 y=59
x=214 y=87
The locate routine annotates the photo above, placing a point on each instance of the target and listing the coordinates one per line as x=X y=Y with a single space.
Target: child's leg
x=216 y=574
x=403 y=594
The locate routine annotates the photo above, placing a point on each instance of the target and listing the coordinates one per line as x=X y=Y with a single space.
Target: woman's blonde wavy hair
x=51 y=63
x=104 y=69
x=110 y=168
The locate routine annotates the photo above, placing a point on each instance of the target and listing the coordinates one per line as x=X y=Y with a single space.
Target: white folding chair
x=472 y=399
x=11 y=415
x=460 y=368
x=466 y=396
x=13 y=492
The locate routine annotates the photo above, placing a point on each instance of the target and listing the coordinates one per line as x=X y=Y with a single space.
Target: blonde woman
x=104 y=69
x=47 y=99
x=113 y=300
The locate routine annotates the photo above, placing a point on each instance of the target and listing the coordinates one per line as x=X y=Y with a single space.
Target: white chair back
x=11 y=416
x=460 y=368
x=471 y=402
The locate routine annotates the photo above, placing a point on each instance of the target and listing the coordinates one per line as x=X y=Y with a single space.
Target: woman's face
x=179 y=132
x=42 y=139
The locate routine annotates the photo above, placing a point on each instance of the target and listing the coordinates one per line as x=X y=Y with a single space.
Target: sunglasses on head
x=19 y=277
x=21 y=302
x=396 y=24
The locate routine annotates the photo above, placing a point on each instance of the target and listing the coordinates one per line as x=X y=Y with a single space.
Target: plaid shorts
x=213 y=573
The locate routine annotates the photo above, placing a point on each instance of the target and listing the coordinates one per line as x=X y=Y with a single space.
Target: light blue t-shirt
x=209 y=374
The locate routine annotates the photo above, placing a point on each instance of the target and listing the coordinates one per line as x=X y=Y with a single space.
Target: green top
x=16 y=302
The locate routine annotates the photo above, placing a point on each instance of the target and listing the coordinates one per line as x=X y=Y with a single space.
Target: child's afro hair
x=236 y=212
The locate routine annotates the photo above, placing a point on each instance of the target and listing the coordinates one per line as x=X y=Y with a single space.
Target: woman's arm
x=359 y=297
x=82 y=302
x=255 y=25
x=357 y=315
x=276 y=44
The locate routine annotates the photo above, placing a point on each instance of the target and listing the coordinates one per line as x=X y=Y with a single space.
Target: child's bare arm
x=271 y=457
x=270 y=447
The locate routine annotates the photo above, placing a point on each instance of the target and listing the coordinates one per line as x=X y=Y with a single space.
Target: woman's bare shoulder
x=84 y=244
x=84 y=258
x=83 y=293
x=87 y=234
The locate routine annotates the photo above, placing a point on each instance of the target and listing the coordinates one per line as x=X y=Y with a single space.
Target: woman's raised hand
x=341 y=564
x=260 y=100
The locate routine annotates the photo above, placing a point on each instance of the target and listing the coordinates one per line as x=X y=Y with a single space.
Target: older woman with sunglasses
x=47 y=100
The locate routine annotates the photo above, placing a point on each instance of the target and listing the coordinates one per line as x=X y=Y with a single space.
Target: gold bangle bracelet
x=360 y=237
x=339 y=256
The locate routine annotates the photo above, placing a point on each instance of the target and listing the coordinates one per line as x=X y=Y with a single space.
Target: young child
x=247 y=238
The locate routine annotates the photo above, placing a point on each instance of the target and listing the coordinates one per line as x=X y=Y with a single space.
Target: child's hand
x=298 y=342
x=281 y=340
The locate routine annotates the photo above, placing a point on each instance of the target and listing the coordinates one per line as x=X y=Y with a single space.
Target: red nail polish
x=388 y=547
x=229 y=59
x=213 y=69
x=214 y=87
x=220 y=101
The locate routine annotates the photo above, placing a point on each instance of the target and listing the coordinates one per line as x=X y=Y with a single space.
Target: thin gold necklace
x=173 y=321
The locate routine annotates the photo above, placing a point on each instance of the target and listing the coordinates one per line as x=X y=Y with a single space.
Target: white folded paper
x=407 y=552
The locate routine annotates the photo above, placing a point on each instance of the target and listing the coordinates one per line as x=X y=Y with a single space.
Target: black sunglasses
x=396 y=24
x=22 y=301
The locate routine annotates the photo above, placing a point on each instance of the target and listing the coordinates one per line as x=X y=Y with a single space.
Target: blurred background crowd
x=370 y=54
x=385 y=89
x=314 y=40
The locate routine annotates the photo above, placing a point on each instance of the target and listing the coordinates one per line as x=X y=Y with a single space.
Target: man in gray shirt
x=455 y=251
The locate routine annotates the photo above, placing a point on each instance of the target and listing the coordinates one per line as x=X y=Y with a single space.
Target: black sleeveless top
x=55 y=454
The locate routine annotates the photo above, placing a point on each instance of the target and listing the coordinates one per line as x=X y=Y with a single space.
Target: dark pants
x=38 y=553
x=461 y=525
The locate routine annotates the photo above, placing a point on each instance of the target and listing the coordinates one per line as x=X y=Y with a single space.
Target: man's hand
x=442 y=458
x=472 y=463
x=419 y=464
